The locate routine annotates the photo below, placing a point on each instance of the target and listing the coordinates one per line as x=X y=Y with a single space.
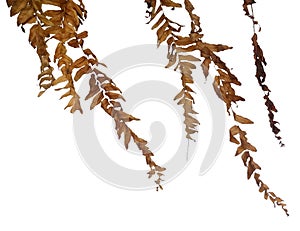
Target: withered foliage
x=181 y=50
x=60 y=23
x=260 y=75
x=106 y=94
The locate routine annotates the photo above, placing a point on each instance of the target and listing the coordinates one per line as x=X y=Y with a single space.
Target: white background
x=44 y=185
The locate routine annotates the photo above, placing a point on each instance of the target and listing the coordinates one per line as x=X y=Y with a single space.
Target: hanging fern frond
x=106 y=94
x=167 y=31
x=28 y=12
x=186 y=99
x=58 y=21
x=244 y=150
x=223 y=81
x=260 y=63
x=61 y=25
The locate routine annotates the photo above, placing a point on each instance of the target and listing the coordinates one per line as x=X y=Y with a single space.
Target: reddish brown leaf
x=242 y=119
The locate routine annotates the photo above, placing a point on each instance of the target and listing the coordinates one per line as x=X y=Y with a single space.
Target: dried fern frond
x=244 y=150
x=260 y=63
x=167 y=31
x=106 y=94
x=186 y=46
x=61 y=26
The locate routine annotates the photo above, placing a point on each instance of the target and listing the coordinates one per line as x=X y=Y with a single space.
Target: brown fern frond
x=106 y=94
x=260 y=63
x=223 y=81
x=28 y=12
x=244 y=150
x=167 y=31
x=164 y=26
x=61 y=25
x=186 y=99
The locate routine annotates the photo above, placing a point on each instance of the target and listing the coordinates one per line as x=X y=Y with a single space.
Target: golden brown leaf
x=242 y=119
x=17 y=6
x=169 y=3
x=59 y=80
x=26 y=15
x=97 y=99
x=252 y=166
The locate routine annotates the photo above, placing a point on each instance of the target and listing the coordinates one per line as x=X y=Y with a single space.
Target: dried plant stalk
x=180 y=53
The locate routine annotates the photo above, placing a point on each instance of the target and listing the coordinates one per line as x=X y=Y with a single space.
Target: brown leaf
x=239 y=150
x=68 y=93
x=82 y=61
x=94 y=88
x=179 y=95
x=241 y=119
x=252 y=166
x=248 y=146
x=84 y=70
x=245 y=157
x=190 y=58
x=263 y=187
x=41 y=93
x=25 y=15
x=121 y=127
x=216 y=47
x=151 y=173
x=17 y=6
x=120 y=115
x=127 y=137
x=73 y=43
x=75 y=104
x=205 y=66
x=169 y=3
x=159 y=21
x=110 y=87
x=59 y=80
x=44 y=20
x=10 y=2
x=89 y=52
x=160 y=32
x=113 y=95
x=97 y=100
x=159 y=169
x=216 y=86
x=256 y=177
x=82 y=35
x=60 y=51
x=233 y=132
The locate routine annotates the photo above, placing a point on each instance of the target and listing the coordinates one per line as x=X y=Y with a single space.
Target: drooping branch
x=167 y=31
x=106 y=94
x=223 y=81
x=260 y=63
x=61 y=26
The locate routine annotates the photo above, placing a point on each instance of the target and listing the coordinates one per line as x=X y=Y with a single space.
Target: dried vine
x=180 y=54
x=260 y=75
x=61 y=26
